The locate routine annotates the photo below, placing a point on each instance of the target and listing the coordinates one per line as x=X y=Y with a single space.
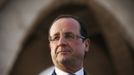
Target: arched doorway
x=34 y=56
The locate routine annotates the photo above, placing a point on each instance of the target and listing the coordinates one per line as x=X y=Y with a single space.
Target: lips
x=63 y=52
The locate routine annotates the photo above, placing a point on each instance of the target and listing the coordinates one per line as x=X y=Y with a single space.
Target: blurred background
x=24 y=24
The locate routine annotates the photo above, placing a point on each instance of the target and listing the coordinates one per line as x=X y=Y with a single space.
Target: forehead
x=64 y=25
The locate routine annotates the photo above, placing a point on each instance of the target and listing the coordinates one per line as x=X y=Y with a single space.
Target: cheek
x=52 y=52
x=52 y=49
x=79 y=47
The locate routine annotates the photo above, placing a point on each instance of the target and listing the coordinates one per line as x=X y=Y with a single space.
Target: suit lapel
x=85 y=72
x=53 y=73
x=56 y=74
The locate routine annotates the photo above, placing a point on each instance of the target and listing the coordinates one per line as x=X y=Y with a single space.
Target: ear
x=87 y=44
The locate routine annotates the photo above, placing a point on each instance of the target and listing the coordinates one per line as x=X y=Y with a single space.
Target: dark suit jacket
x=56 y=74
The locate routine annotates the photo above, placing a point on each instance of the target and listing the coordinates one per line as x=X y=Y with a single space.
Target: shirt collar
x=60 y=72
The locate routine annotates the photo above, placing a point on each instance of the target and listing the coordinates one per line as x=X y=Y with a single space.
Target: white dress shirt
x=60 y=72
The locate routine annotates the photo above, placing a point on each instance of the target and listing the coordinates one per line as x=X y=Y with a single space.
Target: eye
x=54 y=38
x=69 y=36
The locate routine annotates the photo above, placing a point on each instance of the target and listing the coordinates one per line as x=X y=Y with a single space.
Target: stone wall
x=18 y=18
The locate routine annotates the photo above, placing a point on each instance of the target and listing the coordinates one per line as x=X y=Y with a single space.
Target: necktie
x=71 y=74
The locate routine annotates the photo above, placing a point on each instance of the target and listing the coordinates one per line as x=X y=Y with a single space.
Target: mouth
x=63 y=52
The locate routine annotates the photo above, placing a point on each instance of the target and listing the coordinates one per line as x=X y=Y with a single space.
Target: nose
x=62 y=41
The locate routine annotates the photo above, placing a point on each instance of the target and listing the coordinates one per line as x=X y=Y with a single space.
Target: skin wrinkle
x=67 y=55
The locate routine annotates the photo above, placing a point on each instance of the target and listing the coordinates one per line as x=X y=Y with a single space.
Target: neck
x=69 y=68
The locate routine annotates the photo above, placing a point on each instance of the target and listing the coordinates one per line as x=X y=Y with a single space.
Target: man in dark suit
x=69 y=44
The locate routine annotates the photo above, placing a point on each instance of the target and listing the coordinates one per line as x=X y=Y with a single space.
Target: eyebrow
x=56 y=34
x=68 y=33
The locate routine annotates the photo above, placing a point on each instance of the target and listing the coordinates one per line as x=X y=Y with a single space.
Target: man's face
x=65 y=50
